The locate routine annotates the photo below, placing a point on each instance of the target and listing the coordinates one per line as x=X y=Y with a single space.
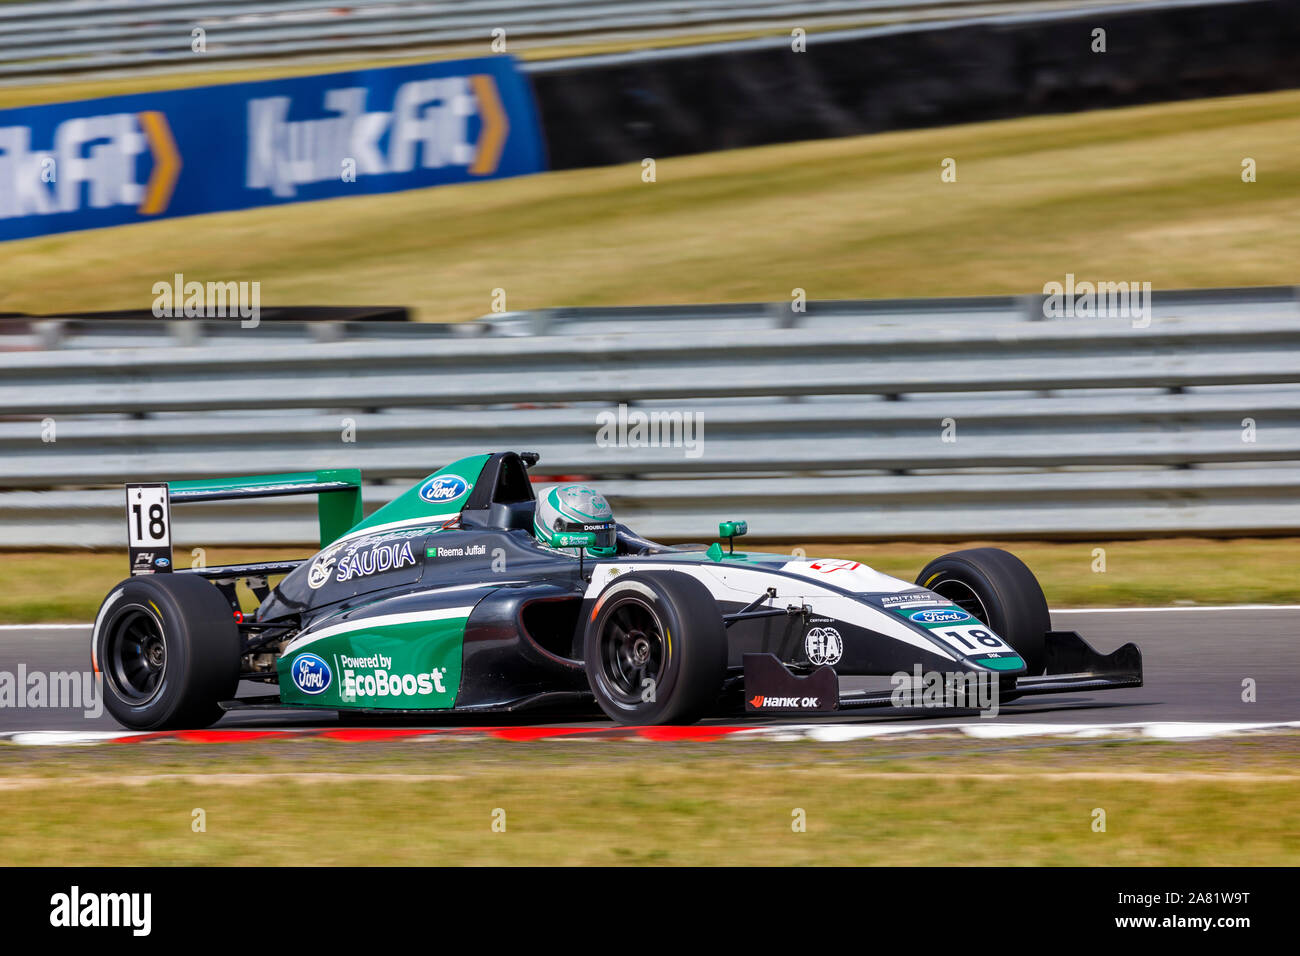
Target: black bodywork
x=522 y=640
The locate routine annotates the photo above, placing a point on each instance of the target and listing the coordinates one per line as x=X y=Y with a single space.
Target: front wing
x=1072 y=665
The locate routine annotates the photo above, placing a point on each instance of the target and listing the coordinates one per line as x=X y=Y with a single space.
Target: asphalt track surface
x=1195 y=660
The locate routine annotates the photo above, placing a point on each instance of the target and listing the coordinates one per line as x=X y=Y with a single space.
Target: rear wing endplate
x=148 y=507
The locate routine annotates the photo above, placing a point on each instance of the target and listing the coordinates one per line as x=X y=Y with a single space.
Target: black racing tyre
x=167 y=648
x=995 y=586
x=656 y=635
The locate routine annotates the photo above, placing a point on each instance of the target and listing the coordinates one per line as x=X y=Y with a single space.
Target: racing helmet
x=565 y=510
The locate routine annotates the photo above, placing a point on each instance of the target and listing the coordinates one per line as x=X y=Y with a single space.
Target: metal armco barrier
x=80 y=35
x=903 y=419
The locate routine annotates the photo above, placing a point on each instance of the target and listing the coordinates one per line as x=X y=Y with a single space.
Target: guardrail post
x=186 y=332
x=783 y=315
x=327 y=331
x=50 y=334
x=1031 y=307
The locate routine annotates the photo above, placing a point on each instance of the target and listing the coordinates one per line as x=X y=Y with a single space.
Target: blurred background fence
x=618 y=80
x=81 y=35
x=910 y=418
x=906 y=418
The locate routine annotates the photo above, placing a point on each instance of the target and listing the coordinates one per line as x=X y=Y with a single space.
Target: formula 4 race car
x=444 y=601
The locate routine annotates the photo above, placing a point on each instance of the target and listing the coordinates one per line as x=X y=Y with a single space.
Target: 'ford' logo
x=311 y=675
x=442 y=488
x=938 y=617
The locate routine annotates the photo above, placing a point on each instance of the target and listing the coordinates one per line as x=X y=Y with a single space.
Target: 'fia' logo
x=824 y=645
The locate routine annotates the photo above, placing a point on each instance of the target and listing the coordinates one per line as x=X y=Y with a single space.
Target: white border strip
x=393 y=526
x=306 y=638
x=67 y=738
x=1176 y=607
x=45 y=627
x=820 y=733
x=1155 y=730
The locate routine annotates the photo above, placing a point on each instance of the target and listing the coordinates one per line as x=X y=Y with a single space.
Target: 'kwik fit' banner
x=147 y=156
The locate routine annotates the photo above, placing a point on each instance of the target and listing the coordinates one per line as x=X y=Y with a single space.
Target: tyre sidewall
x=695 y=657
x=1010 y=593
x=201 y=644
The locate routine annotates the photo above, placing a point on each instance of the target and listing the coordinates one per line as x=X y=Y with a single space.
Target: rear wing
x=148 y=507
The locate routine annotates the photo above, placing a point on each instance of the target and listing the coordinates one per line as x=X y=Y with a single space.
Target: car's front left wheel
x=996 y=588
x=167 y=649
x=655 y=649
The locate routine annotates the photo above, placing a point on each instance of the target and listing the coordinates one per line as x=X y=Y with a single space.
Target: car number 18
x=972 y=639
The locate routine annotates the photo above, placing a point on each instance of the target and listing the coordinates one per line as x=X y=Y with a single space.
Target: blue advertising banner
x=146 y=156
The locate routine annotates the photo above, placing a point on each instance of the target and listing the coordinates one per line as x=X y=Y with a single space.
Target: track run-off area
x=1208 y=671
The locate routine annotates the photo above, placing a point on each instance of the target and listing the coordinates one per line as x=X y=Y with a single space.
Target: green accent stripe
x=398 y=666
x=409 y=505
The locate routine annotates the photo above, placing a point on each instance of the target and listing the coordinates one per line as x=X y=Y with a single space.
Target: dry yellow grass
x=68 y=586
x=1151 y=193
x=941 y=802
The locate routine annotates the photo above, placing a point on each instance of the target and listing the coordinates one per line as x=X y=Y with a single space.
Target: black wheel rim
x=135 y=655
x=632 y=650
x=961 y=594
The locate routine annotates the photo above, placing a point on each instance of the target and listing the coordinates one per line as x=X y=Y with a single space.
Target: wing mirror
x=582 y=540
x=732 y=530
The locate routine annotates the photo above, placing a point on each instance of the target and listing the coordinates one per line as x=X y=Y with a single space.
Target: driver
x=563 y=510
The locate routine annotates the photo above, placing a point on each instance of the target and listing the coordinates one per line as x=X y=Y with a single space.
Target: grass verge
x=68 y=586
x=945 y=802
x=1151 y=193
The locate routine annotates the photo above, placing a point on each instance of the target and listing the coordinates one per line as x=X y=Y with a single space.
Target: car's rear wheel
x=167 y=648
x=655 y=649
x=997 y=588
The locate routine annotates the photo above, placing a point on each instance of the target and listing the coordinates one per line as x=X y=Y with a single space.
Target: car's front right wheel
x=655 y=649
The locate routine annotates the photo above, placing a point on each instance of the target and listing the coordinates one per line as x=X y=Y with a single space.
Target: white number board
x=149 y=528
x=971 y=639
